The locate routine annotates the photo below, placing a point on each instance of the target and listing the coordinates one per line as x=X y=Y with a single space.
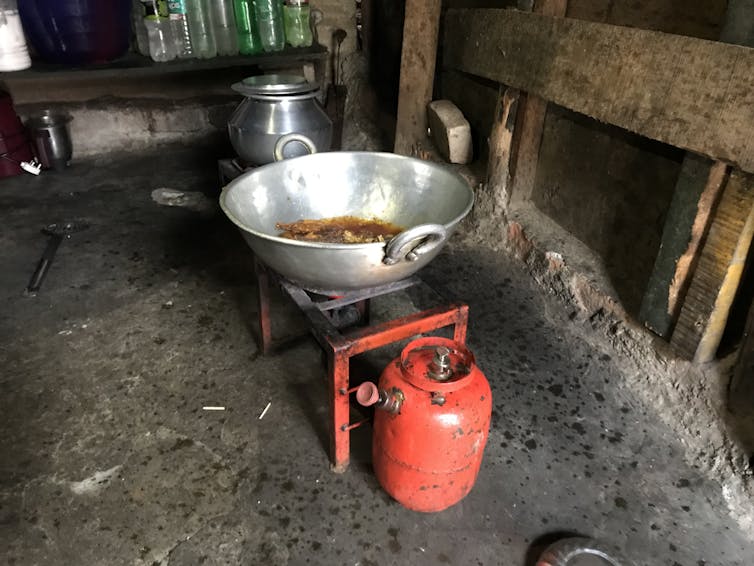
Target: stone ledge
x=110 y=124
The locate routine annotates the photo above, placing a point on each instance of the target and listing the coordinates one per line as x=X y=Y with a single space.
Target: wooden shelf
x=134 y=64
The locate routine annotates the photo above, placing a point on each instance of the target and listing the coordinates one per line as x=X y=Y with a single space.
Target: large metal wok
x=427 y=200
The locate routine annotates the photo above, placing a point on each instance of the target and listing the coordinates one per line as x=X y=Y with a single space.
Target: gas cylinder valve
x=368 y=394
x=439 y=368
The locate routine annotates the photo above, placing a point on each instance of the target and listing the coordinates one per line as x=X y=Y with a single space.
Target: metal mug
x=51 y=136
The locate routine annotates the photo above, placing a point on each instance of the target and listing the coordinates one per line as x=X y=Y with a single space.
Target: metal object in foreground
x=578 y=551
x=430 y=435
x=276 y=105
x=56 y=233
x=52 y=139
x=425 y=198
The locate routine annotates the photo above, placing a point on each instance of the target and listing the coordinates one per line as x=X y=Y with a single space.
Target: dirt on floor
x=109 y=457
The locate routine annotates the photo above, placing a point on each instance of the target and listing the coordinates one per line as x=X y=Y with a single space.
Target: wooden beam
x=530 y=122
x=687 y=92
x=721 y=263
x=696 y=194
x=420 y=29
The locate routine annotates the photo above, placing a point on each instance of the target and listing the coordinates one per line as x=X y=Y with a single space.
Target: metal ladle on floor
x=56 y=233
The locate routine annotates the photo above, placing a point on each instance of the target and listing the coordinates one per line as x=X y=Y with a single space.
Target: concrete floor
x=107 y=457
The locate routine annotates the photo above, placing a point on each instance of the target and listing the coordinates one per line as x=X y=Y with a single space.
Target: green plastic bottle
x=249 y=42
x=296 y=19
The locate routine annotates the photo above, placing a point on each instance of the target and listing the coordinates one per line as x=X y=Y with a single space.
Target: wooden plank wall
x=721 y=263
x=687 y=92
x=420 y=30
x=530 y=123
x=700 y=329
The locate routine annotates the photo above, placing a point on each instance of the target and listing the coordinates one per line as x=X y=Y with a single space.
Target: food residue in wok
x=339 y=230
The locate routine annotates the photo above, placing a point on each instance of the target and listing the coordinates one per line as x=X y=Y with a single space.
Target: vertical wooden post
x=420 y=29
x=694 y=199
x=712 y=285
x=530 y=122
x=718 y=273
x=501 y=143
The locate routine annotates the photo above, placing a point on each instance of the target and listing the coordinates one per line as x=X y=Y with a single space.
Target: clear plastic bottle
x=270 y=24
x=246 y=24
x=140 y=30
x=179 y=27
x=296 y=16
x=226 y=35
x=161 y=43
x=201 y=28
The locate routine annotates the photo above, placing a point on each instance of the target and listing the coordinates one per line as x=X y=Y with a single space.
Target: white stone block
x=450 y=131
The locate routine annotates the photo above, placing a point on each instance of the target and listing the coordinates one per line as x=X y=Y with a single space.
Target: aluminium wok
x=425 y=199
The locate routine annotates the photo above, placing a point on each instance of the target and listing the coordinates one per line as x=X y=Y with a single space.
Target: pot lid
x=437 y=364
x=274 y=85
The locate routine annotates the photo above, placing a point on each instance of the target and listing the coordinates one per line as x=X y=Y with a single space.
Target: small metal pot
x=52 y=139
x=276 y=105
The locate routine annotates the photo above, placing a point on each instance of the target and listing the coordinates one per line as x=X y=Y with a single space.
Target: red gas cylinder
x=430 y=431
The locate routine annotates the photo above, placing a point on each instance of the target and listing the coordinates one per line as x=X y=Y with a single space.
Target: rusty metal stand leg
x=364 y=310
x=263 y=303
x=338 y=369
x=461 y=325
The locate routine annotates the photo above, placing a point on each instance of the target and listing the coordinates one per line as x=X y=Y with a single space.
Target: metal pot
x=52 y=139
x=425 y=198
x=276 y=105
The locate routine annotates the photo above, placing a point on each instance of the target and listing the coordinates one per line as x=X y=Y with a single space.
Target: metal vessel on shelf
x=276 y=105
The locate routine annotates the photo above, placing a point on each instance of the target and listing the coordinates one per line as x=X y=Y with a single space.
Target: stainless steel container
x=427 y=199
x=52 y=139
x=276 y=105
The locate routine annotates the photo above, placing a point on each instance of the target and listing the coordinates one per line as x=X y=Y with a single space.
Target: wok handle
x=410 y=244
x=290 y=138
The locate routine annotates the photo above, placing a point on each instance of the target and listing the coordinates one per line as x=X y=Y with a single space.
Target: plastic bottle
x=246 y=24
x=270 y=24
x=140 y=30
x=161 y=43
x=226 y=35
x=201 y=28
x=14 y=55
x=179 y=27
x=296 y=16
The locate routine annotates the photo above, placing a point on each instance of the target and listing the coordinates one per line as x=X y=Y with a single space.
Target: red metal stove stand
x=340 y=346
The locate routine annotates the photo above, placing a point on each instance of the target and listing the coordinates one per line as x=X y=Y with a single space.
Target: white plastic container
x=14 y=55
